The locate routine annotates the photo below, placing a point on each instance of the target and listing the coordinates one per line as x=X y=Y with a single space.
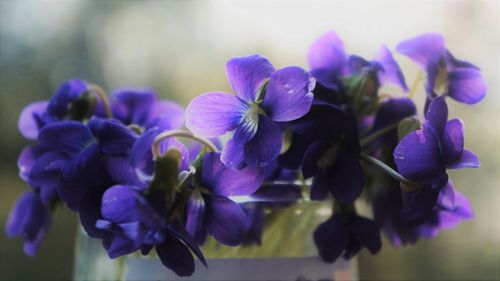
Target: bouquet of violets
x=120 y=164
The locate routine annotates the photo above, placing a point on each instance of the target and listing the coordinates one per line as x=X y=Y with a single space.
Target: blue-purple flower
x=451 y=208
x=211 y=211
x=424 y=155
x=40 y=113
x=135 y=222
x=329 y=61
x=263 y=96
x=30 y=219
x=141 y=107
x=446 y=75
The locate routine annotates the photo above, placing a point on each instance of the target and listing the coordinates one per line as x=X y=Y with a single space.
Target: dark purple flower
x=450 y=209
x=263 y=96
x=30 y=219
x=329 y=61
x=211 y=211
x=424 y=155
x=134 y=222
x=142 y=107
x=346 y=236
x=38 y=114
x=460 y=80
x=332 y=154
x=84 y=148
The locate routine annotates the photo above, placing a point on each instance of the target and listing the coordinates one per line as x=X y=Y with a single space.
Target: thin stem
x=104 y=98
x=391 y=172
x=416 y=83
x=368 y=139
x=179 y=133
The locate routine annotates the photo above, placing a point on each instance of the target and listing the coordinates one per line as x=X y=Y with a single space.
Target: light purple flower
x=209 y=209
x=257 y=138
x=446 y=75
x=329 y=61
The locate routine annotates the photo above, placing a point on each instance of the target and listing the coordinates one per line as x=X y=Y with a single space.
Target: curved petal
x=119 y=204
x=173 y=143
x=346 y=178
x=391 y=72
x=366 y=232
x=466 y=85
x=120 y=171
x=289 y=94
x=233 y=154
x=331 y=239
x=453 y=140
x=27 y=159
x=214 y=114
x=418 y=158
x=424 y=49
x=67 y=92
x=247 y=74
x=176 y=256
x=467 y=160
x=166 y=115
x=30 y=219
x=436 y=117
x=141 y=156
x=195 y=219
x=113 y=137
x=226 y=221
x=225 y=181
x=311 y=157
x=69 y=137
x=265 y=146
x=132 y=106
x=30 y=122
x=327 y=53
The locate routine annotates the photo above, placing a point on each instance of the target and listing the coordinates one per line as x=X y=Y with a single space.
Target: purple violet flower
x=83 y=148
x=460 y=80
x=346 y=236
x=142 y=107
x=210 y=210
x=263 y=96
x=134 y=223
x=451 y=208
x=40 y=113
x=31 y=220
x=424 y=155
x=329 y=61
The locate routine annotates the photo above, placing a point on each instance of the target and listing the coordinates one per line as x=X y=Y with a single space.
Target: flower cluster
x=120 y=164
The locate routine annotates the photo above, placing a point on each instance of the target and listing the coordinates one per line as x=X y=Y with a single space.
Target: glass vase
x=286 y=252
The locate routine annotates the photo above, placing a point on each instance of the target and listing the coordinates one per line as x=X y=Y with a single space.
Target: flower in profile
x=263 y=96
x=210 y=210
x=142 y=108
x=40 y=113
x=446 y=75
x=346 y=236
x=329 y=61
x=134 y=222
x=423 y=156
x=31 y=220
x=451 y=208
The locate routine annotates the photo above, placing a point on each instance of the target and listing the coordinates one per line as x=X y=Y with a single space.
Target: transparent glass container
x=287 y=252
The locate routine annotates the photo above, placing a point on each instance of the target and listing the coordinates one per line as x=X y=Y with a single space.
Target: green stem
x=179 y=133
x=391 y=172
x=99 y=92
x=368 y=139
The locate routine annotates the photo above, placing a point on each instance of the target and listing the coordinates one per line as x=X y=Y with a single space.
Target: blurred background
x=180 y=48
